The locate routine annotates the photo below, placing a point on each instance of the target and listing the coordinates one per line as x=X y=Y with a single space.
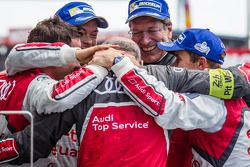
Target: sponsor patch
x=6 y=88
x=177 y=69
x=8 y=150
x=82 y=18
x=202 y=47
x=222 y=45
x=79 y=9
x=181 y=38
x=221 y=83
x=145 y=4
x=75 y=11
x=87 y=10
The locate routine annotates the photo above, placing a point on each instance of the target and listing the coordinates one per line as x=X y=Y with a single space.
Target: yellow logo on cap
x=75 y=11
x=133 y=6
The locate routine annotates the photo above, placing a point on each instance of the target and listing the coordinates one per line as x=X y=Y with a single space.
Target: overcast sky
x=224 y=17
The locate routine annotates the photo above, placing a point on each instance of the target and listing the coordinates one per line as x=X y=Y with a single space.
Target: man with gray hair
x=126 y=45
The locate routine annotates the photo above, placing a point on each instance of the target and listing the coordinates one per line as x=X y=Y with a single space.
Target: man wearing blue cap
x=81 y=15
x=149 y=22
x=201 y=49
x=78 y=14
x=196 y=49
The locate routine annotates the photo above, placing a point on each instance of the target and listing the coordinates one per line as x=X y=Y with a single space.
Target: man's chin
x=152 y=58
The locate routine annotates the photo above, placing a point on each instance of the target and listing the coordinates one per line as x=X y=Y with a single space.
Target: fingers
x=85 y=55
x=101 y=61
x=105 y=46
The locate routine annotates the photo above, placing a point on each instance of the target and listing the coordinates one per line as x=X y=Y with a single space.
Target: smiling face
x=146 y=32
x=89 y=33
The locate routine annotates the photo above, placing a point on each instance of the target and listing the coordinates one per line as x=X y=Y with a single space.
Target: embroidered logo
x=6 y=88
x=111 y=86
x=222 y=45
x=181 y=38
x=202 y=47
x=177 y=69
x=145 y=4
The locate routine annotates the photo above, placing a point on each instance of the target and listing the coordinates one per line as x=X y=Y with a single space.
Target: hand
x=105 y=58
x=9 y=150
x=133 y=60
x=85 y=55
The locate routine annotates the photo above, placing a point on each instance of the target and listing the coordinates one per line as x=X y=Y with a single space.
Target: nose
x=87 y=41
x=145 y=39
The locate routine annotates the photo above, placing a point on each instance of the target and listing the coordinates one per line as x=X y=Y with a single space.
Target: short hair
x=166 y=22
x=53 y=30
x=212 y=64
x=126 y=45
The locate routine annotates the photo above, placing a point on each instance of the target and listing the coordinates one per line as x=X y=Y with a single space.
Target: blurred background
x=229 y=19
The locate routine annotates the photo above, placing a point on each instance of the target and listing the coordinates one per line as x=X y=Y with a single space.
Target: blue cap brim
x=139 y=14
x=101 y=22
x=168 y=46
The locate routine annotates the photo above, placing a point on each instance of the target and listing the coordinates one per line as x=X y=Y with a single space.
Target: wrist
x=9 y=150
x=117 y=59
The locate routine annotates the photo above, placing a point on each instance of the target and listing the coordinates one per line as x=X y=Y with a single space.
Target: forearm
x=47 y=95
x=38 y=55
x=170 y=110
x=46 y=134
x=226 y=84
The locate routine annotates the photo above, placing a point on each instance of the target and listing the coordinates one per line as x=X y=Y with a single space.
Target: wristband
x=221 y=83
x=8 y=150
x=117 y=59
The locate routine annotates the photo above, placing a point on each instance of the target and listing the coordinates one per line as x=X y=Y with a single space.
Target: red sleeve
x=180 y=151
x=245 y=70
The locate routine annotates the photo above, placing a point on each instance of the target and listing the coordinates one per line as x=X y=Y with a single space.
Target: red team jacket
x=36 y=92
x=13 y=90
x=222 y=148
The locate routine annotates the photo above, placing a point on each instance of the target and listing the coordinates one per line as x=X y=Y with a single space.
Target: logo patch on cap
x=75 y=11
x=181 y=38
x=222 y=45
x=145 y=4
x=202 y=47
x=78 y=19
x=87 y=10
x=80 y=9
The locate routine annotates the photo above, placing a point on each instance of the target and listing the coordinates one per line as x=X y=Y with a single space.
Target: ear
x=141 y=62
x=170 y=31
x=202 y=63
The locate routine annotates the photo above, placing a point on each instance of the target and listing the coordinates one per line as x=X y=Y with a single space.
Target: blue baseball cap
x=199 y=41
x=153 y=8
x=78 y=13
